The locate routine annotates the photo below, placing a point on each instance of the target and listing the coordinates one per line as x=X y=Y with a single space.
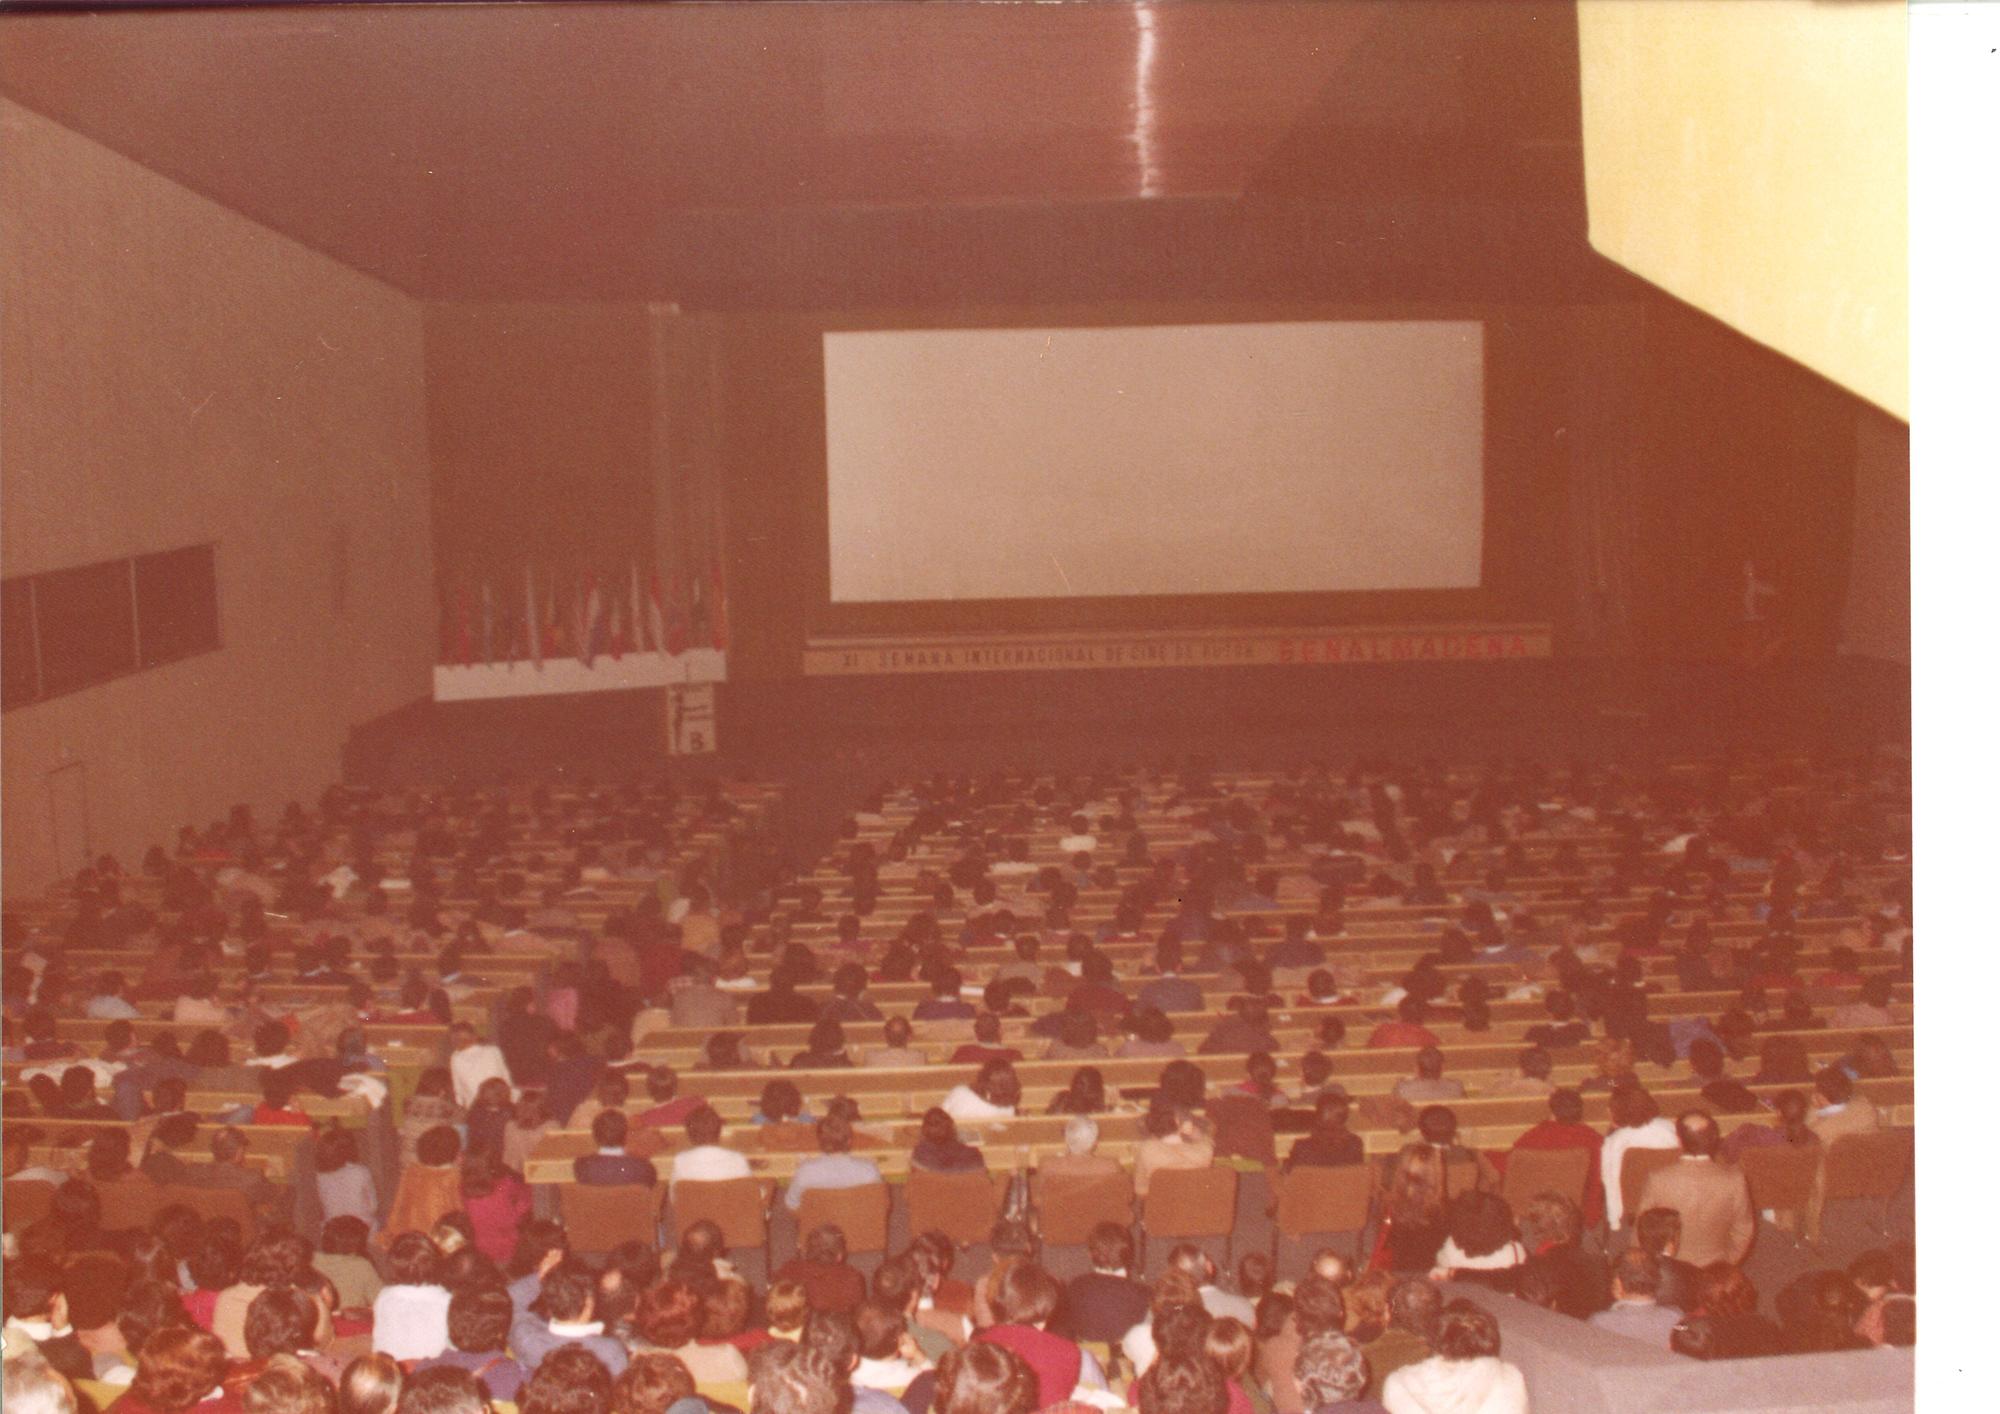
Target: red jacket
x=1057 y=1363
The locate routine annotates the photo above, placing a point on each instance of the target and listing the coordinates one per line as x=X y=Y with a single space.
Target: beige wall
x=1751 y=159
x=174 y=373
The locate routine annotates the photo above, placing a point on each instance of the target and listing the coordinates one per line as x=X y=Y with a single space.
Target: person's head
x=335 y=1149
x=178 y=1366
x=413 y=1260
x=785 y=1303
x=1437 y=1125
x=1330 y=1369
x=569 y=1291
x=1550 y=1220
x=439 y=1146
x=827 y=1037
x=1230 y=1344
x=1699 y=1135
x=1187 y=1383
x=478 y=1318
x=281 y=1321
x=1317 y=1305
x=788 y=1378
x=833 y=1335
x=980 y=1378
x=835 y=1131
x=1635 y=1276
x=1330 y=1113
x=997 y=1084
x=825 y=1244
x=441 y=1389
x=1466 y=1331
x=570 y=1380
x=780 y=1101
x=650 y=1383
x=1414 y=1307
x=1658 y=1231
x=1834 y=1085
x=1025 y=1294
x=1818 y=1311
x=704 y=1126
x=937 y=1127
x=1110 y=1247
x=32 y=1385
x=1430 y=1063
x=1632 y=1106
x=1721 y=1289
x=371 y=1384
x=725 y=1309
x=609 y=1129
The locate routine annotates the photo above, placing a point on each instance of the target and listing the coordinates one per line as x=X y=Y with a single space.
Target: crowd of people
x=453 y=1286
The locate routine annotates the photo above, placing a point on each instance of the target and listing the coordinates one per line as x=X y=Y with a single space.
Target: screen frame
x=1491 y=601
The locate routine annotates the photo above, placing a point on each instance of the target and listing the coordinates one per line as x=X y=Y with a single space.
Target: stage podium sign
x=691 y=719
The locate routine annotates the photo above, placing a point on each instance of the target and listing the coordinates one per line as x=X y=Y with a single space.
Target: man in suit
x=1104 y=1303
x=611 y=1165
x=1842 y=1112
x=1717 y=1221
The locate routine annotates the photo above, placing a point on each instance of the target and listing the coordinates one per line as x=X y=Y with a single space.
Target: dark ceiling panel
x=660 y=151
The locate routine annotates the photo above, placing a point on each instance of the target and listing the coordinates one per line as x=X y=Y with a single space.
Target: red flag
x=656 y=616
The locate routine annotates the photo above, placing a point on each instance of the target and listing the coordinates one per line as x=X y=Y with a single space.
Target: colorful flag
x=656 y=616
x=589 y=615
x=637 y=619
x=698 y=629
x=486 y=621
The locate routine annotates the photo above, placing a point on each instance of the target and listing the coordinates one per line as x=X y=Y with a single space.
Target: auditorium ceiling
x=832 y=154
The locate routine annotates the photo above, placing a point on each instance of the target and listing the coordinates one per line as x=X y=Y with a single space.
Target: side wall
x=174 y=374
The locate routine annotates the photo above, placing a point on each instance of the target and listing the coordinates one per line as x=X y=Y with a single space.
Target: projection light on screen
x=1192 y=459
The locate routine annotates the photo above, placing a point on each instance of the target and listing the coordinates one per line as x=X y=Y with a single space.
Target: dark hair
x=438 y=1146
x=609 y=1129
x=650 y=1383
x=981 y=1378
x=1835 y=1084
x=413 y=1260
x=1466 y=1332
x=1697 y=1131
x=178 y=1366
x=149 y=1306
x=479 y=1318
x=1111 y=1246
x=1414 y=1306
x=281 y=1321
x=334 y=1149
x=1024 y=1294
x=570 y=1380
x=440 y=1389
x=704 y=1125
x=825 y=1243
x=568 y=1290
x=669 y=1314
x=1190 y=1383
x=1317 y=1305
x=1637 y=1272
x=938 y=1127
x=833 y=1335
x=274 y=1259
x=1566 y=1106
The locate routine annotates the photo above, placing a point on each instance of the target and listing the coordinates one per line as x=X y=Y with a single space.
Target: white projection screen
x=1161 y=460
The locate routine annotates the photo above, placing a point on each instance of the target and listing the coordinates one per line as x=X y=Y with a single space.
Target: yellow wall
x=1749 y=157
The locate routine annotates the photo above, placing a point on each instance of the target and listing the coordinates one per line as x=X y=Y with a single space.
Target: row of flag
x=587 y=619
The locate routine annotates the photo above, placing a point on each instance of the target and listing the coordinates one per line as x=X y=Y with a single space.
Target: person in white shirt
x=473 y=1063
x=995 y=1094
x=1636 y=1124
x=889 y=1356
x=707 y=1160
x=410 y=1313
x=1467 y=1372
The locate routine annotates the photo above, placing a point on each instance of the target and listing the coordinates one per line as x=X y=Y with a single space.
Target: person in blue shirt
x=834 y=1166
